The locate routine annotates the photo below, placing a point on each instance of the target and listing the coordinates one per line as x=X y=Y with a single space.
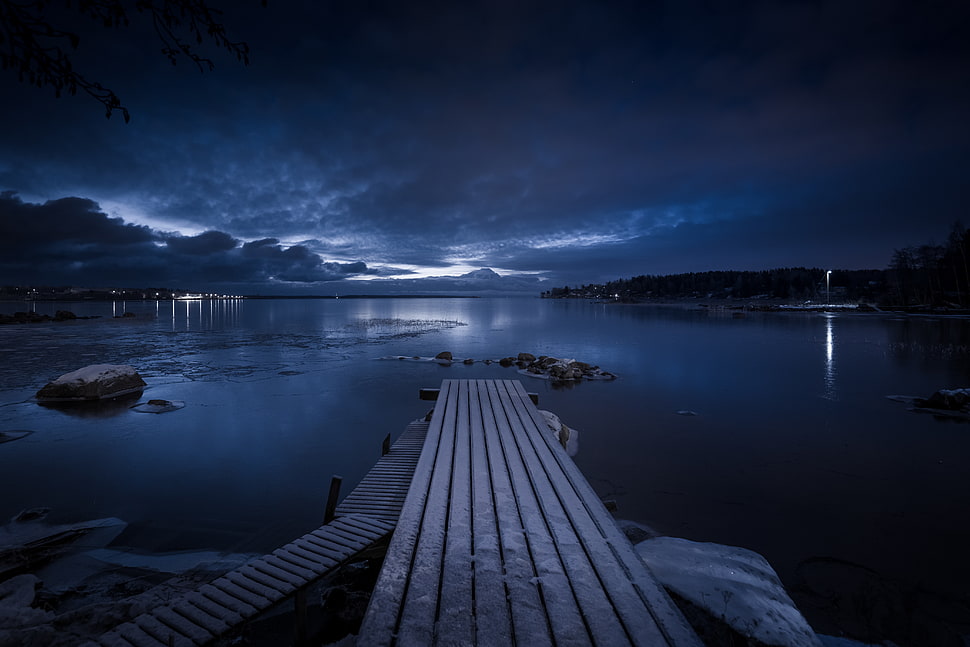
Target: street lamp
x=827 y=298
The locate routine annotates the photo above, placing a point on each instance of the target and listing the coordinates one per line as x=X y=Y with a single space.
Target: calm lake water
x=795 y=452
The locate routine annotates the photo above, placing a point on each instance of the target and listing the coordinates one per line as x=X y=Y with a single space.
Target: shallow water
x=795 y=452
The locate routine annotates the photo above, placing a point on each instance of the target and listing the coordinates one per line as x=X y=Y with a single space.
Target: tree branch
x=39 y=51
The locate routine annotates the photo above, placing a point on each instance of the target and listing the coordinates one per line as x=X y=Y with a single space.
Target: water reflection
x=830 y=390
x=94 y=408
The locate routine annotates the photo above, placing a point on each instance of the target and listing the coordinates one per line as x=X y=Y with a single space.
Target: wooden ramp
x=365 y=516
x=502 y=541
x=381 y=493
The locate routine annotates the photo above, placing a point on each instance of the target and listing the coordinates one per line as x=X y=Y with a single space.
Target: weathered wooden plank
x=301 y=574
x=292 y=554
x=270 y=594
x=493 y=618
x=502 y=541
x=312 y=553
x=136 y=633
x=213 y=624
x=388 y=512
x=594 y=524
x=324 y=542
x=595 y=609
x=256 y=600
x=259 y=571
x=380 y=621
x=456 y=600
x=350 y=543
x=420 y=604
x=526 y=604
x=162 y=632
x=371 y=528
x=183 y=625
x=376 y=499
x=398 y=486
x=559 y=604
x=214 y=607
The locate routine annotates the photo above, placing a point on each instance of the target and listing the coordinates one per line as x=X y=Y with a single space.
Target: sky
x=402 y=147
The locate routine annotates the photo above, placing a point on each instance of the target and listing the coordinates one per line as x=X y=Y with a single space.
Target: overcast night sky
x=369 y=146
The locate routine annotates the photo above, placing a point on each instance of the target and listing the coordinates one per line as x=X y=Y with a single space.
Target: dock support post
x=331 y=512
x=299 y=602
x=386 y=445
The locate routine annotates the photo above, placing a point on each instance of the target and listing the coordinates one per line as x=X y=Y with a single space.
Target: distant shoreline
x=63 y=299
x=763 y=305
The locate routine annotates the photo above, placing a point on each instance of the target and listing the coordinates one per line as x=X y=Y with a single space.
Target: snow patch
x=565 y=436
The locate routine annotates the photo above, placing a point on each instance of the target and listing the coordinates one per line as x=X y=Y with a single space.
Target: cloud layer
x=573 y=142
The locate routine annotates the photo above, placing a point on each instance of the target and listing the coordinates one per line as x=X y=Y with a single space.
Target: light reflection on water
x=831 y=392
x=281 y=394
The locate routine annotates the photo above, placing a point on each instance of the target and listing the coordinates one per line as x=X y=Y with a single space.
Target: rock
x=16 y=597
x=526 y=357
x=948 y=399
x=729 y=595
x=565 y=436
x=64 y=315
x=33 y=514
x=159 y=406
x=96 y=382
x=14 y=434
x=506 y=361
x=444 y=355
x=468 y=360
x=636 y=532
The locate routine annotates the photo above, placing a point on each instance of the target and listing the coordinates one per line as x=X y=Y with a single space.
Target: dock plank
x=456 y=599
x=494 y=620
x=501 y=541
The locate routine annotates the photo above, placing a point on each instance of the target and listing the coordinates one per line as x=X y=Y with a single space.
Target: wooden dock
x=502 y=541
x=366 y=515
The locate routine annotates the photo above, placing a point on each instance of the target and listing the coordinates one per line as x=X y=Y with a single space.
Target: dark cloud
x=63 y=228
x=208 y=242
x=71 y=241
x=557 y=138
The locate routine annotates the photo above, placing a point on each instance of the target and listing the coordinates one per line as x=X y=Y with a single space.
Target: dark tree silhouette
x=40 y=52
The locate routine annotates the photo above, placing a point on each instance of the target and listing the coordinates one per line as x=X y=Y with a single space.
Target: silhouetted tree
x=39 y=52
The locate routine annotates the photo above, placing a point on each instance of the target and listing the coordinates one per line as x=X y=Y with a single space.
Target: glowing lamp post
x=828 y=274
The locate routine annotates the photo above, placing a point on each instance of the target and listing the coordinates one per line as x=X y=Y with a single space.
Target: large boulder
x=96 y=382
x=948 y=399
x=731 y=596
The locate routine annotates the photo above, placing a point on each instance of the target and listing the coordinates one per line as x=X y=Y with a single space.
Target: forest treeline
x=929 y=275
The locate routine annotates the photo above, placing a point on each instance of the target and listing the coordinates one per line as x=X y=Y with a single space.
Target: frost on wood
x=96 y=382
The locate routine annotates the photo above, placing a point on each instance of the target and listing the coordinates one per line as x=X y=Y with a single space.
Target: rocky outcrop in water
x=563 y=370
x=96 y=382
x=947 y=399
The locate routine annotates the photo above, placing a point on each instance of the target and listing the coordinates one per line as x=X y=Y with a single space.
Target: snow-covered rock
x=733 y=586
x=96 y=382
x=565 y=436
